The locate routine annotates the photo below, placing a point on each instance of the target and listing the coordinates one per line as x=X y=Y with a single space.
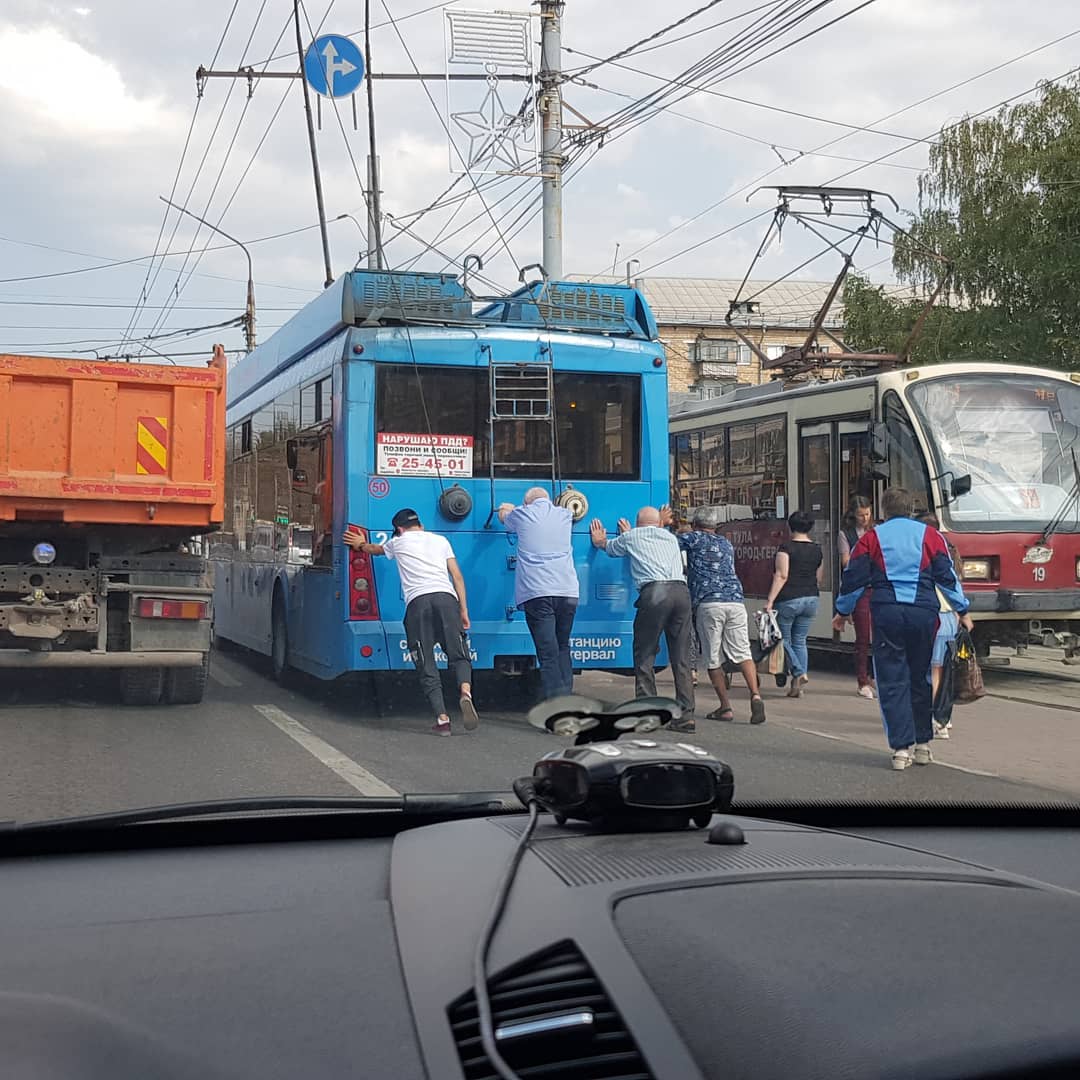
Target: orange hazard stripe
x=152 y=452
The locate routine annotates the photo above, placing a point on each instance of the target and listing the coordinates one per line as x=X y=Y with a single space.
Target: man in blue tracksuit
x=902 y=561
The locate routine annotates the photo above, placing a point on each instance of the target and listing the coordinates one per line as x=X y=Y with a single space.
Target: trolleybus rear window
x=597 y=419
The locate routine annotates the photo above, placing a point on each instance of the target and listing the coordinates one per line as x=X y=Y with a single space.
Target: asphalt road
x=67 y=747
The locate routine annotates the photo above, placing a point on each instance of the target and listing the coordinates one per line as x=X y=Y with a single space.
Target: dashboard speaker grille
x=555 y=984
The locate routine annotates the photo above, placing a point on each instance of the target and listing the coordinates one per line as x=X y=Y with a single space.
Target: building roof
x=679 y=301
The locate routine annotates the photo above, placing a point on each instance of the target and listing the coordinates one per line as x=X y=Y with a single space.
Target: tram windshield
x=1016 y=436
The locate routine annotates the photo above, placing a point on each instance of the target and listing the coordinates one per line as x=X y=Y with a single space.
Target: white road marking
x=223 y=678
x=937 y=761
x=367 y=783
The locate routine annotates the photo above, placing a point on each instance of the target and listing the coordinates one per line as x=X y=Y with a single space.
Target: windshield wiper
x=1058 y=519
x=465 y=804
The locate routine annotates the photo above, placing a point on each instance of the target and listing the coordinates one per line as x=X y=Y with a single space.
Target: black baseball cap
x=406 y=519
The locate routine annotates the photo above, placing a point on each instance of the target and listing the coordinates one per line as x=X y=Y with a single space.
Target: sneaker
x=941 y=731
x=441 y=727
x=901 y=759
x=469 y=713
x=922 y=754
x=866 y=692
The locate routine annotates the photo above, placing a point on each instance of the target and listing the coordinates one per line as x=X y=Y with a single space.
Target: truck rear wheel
x=186 y=685
x=142 y=685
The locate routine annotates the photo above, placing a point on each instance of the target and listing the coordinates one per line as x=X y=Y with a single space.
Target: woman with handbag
x=794 y=595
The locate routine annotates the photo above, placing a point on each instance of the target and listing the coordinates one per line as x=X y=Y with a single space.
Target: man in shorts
x=717 y=597
x=435 y=610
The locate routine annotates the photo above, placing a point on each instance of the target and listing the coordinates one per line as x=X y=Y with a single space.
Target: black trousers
x=663 y=607
x=430 y=620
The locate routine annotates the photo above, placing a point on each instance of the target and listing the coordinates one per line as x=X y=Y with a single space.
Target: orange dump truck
x=109 y=474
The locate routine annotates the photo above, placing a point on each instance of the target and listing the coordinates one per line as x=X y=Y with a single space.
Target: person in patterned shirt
x=716 y=595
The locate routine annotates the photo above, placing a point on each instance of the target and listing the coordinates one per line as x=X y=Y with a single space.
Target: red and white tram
x=991 y=449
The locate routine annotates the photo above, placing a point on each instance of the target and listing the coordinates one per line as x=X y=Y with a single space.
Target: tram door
x=832 y=470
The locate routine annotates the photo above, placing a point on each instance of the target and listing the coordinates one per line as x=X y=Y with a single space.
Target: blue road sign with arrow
x=334 y=66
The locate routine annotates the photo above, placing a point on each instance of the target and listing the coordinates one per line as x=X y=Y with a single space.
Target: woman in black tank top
x=794 y=595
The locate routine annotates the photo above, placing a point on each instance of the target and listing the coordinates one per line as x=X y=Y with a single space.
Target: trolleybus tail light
x=362 y=601
x=151 y=608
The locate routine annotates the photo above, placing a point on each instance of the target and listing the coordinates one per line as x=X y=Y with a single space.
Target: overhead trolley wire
x=408 y=52
x=176 y=177
x=838 y=139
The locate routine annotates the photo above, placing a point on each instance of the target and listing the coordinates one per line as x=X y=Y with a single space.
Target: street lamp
x=249 y=314
x=363 y=252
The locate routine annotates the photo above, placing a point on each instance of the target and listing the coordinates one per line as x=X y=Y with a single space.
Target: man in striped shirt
x=663 y=604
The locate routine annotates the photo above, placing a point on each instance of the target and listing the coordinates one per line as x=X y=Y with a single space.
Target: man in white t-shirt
x=435 y=609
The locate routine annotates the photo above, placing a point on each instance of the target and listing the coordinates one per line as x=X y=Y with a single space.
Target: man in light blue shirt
x=545 y=583
x=663 y=604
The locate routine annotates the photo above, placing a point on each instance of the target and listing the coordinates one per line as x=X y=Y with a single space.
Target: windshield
x=1015 y=436
x=322 y=419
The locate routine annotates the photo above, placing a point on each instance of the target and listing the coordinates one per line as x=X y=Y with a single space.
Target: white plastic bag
x=768 y=629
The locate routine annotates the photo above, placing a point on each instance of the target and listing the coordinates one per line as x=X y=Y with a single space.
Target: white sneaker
x=922 y=754
x=901 y=759
x=866 y=692
x=941 y=732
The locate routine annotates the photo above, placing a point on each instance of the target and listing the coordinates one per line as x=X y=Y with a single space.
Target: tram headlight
x=977 y=569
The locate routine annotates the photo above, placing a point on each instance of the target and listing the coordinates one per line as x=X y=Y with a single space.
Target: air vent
x=552 y=1018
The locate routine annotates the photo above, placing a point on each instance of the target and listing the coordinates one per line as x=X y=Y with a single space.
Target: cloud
x=68 y=90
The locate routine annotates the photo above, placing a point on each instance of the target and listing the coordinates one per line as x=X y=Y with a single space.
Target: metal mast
x=551 y=156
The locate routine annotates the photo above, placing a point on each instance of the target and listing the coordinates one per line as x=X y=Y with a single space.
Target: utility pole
x=314 y=151
x=374 y=208
x=551 y=157
x=249 y=313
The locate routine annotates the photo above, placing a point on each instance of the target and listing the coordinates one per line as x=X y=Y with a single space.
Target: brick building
x=704 y=356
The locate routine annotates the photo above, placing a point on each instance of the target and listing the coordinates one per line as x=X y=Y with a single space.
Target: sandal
x=727 y=715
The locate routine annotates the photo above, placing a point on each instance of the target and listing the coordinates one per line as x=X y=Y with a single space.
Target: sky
x=100 y=118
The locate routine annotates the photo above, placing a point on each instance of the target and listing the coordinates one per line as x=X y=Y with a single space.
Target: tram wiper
x=1058 y=519
x=466 y=804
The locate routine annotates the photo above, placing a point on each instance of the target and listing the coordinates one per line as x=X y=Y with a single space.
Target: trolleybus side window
x=262 y=491
x=907 y=466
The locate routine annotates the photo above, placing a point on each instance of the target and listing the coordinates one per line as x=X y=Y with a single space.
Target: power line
x=840 y=138
x=221 y=169
x=740 y=100
x=408 y=52
x=180 y=286
x=180 y=166
x=775 y=146
x=859 y=168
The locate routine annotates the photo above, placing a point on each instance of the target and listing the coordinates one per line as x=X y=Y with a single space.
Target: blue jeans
x=795 y=617
x=550 y=620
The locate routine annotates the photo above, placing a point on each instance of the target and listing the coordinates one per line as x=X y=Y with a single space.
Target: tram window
x=688 y=455
x=712 y=452
x=907 y=466
x=742 y=460
x=770 y=452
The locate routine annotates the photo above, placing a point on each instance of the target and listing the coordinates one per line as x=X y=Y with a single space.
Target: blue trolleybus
x=399 y=389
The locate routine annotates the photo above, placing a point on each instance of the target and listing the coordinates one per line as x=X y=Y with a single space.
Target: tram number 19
x=1038 y=573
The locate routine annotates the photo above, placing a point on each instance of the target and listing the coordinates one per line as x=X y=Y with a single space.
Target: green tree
x=1001 y=200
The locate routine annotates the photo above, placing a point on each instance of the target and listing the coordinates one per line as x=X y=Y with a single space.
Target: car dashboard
x=802 y=952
